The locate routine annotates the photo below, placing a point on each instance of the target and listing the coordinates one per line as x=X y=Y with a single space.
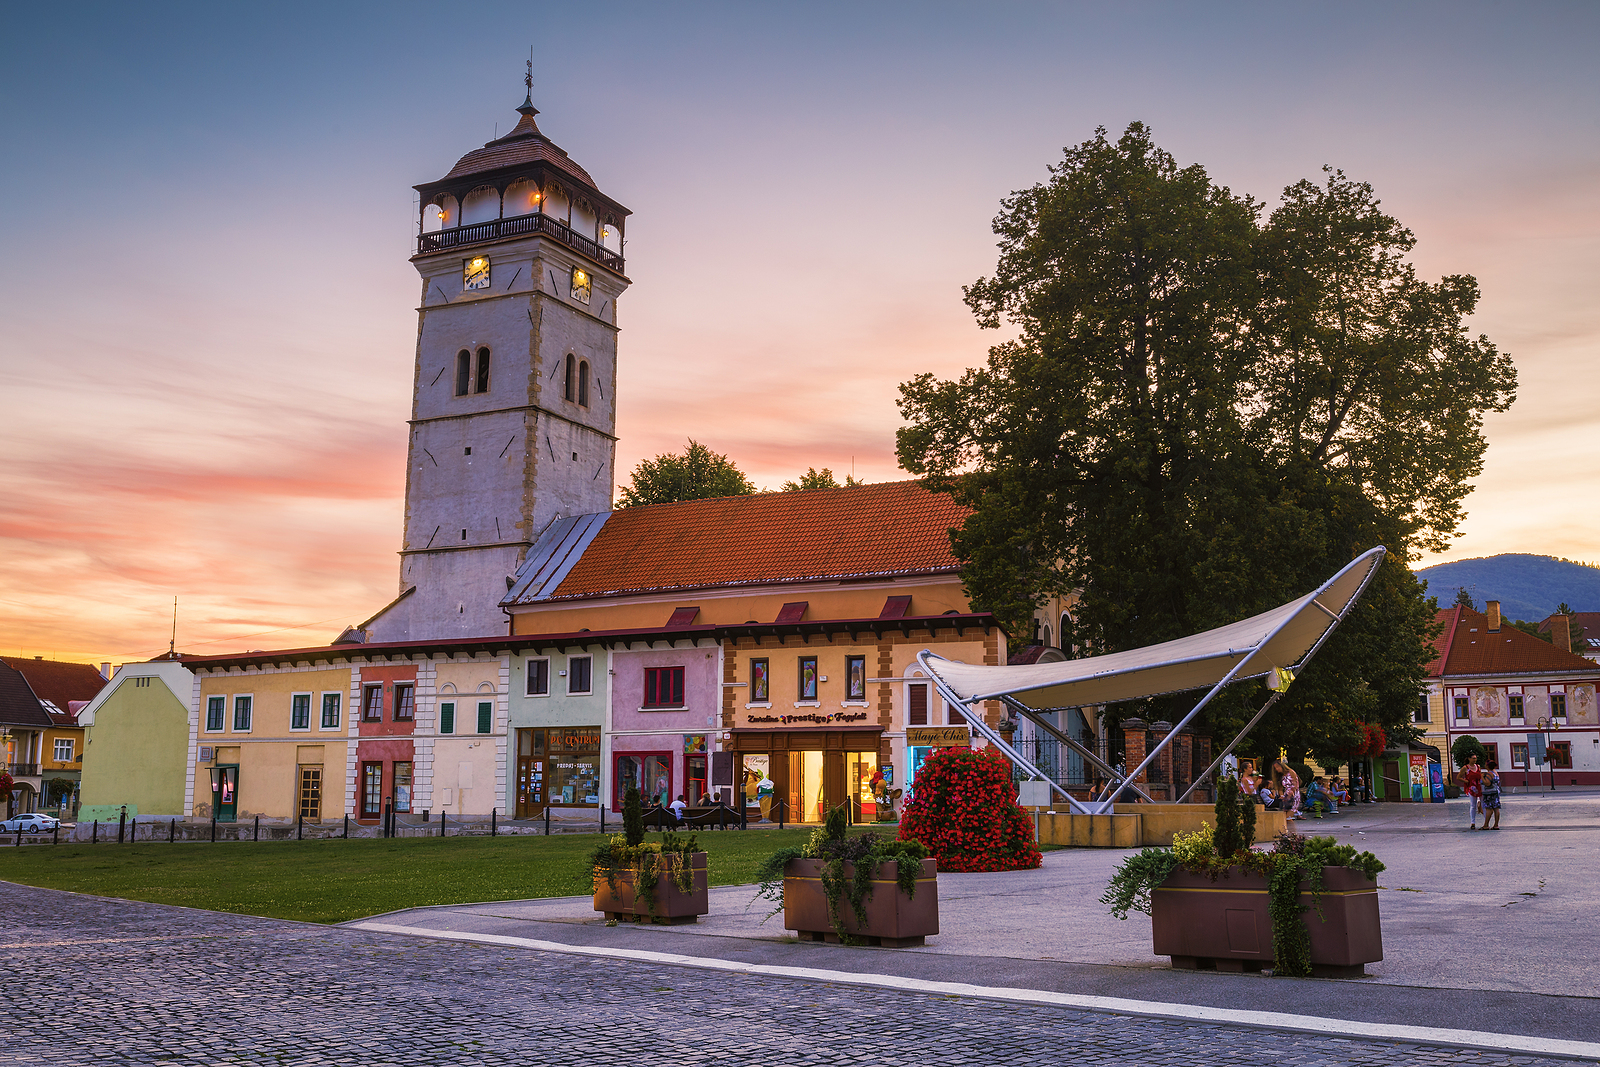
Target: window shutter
x=485 y=716
x=447 y=717
x=917 y=713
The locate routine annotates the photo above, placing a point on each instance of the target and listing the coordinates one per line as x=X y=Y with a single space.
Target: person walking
x=1472 y=786
x=1491 y=798
x=1290 y=783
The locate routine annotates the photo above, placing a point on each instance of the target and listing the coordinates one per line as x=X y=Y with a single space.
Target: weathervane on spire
x=527 y=107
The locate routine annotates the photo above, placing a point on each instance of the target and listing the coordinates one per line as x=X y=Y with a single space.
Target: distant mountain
x=1528 y=587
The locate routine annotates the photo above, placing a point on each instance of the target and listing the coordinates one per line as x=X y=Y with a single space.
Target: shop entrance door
x=228 y=793
x=816 y=784
x=530 y=773
x=310 y=792
x=371 y=790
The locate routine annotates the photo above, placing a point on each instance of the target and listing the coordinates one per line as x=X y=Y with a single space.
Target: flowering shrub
x=964 y=808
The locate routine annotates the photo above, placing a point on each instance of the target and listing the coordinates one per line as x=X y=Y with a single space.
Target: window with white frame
x=330 y=710
x=1558 y=707
x=1515 y=700
x=63 y=750
x=300 y=711
x=242 y=708
x=216 y=708
x=538 y=677
x=580 y=678
x=1463 y=709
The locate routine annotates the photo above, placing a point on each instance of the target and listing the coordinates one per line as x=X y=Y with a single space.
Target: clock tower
x=513 y=413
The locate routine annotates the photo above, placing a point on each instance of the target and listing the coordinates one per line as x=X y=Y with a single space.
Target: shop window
x=1462 y=713
x=855 y=677
x=485 y=716
x=1560 y=754
x=663 y=687
x=405 y=703
x=371 y=790
x=463 y=372
x=63 y=750
x=1515 y=699
x=1558 y=708
x=573 y=774
x=300 y=711
x=1519 y=754
x=242 y=708
x=760 y=677
x=808 y=678
x=372 y=703
x=1420 y=712
x=648 y=772
x=538 y=677
x=402 y=787
x=917 y=704
x=695 y=771
x=447 y=717
x=214 y=711
x=330 y=711
x=579 y=679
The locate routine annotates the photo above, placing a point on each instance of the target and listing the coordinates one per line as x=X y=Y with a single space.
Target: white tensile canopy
x=1281 y=640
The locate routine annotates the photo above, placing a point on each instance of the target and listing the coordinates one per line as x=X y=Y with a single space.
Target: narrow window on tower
x=482 y=385
x=463 y=372
x=572 y=373
x=583 y=383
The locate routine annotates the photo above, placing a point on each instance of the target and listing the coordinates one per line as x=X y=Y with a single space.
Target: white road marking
x=1314 y=1024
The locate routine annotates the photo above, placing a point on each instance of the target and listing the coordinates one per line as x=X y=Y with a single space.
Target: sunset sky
x=208 y=312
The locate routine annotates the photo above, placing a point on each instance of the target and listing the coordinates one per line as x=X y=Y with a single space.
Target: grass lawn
x=332 y=881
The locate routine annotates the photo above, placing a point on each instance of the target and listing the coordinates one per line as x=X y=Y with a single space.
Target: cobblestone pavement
x=126 y=983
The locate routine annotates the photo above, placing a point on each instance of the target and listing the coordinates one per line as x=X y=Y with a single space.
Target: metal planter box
x=672 y=905
x=1225 y=924
x=893 y=920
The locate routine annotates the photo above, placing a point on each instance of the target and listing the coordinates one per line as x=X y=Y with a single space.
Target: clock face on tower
x=581 y=286
x=475 y=273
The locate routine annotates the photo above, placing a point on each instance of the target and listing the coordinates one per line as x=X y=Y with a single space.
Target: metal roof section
x=557 y=551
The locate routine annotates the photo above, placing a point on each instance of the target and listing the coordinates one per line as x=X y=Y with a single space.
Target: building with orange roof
x=47 y=764
x=1500 y=685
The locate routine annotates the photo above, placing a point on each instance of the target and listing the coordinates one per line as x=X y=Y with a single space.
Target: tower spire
x=527 y=107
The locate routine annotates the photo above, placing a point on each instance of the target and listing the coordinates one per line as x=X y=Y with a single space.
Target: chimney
x=105 y=671
x=1494 y=616
x=1561 y=632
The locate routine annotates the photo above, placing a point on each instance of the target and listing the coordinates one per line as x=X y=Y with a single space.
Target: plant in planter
x=648 y=880
x=964 y=809
x=1264 y=917
x=828 y=890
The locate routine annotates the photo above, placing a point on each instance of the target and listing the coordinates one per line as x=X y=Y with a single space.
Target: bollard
x=347 y=827
x=53 y=834
x=122 y=825
x=442 y=817
x=743 y=815
x=256 y=835
x=19 y=835
x=133 y=829
x=782 y=812
x=547 y=820
x=172 y=832
x=602 y=807
x=722 y=815
x=493 y=823
x=94 y=832
x=213 y=828
x=388 y=815
x=300 y=828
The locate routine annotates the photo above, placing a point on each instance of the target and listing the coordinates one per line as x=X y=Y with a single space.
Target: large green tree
x=819 y=479
x=1207 y=410
x=696 y=473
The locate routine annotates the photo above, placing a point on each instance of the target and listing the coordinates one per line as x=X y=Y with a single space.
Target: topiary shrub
x=964 y=809
x=632 y=818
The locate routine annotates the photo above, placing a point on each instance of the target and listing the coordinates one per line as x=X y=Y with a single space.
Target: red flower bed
x=964 y=808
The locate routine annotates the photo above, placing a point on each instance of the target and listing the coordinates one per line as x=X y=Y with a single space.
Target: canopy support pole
x=1251 y=725
x=1111 y=774
x=975 y=722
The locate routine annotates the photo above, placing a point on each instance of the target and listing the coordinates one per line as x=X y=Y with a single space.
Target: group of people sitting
x=1282 y=792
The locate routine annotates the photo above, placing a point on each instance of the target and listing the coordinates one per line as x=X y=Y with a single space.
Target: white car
x=32 y=823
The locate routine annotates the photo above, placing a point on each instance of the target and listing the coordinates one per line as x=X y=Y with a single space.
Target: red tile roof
x=891 y=528
x=59 y=682
x=1466 y=647
x=524 y=145
x=1585 y=626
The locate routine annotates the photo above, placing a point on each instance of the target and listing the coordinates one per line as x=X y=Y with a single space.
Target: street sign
x=1536 y=747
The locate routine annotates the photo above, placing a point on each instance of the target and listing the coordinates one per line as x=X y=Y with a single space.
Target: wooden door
x=1391 y=781
x=833 y=787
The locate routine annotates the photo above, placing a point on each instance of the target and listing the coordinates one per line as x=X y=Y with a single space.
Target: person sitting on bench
x=677 y=807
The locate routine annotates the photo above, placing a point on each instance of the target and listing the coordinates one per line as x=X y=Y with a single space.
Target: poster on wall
x=1419 y=776
x=694 y=743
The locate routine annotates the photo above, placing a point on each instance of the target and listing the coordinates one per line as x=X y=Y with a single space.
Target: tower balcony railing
x=518 y=226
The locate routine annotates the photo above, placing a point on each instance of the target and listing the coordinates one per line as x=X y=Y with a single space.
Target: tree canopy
x=694 y=474
x=1209 y=409
x=815 y=479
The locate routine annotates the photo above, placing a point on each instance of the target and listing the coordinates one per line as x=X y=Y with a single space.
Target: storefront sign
x=814 y=718
x=938 y=736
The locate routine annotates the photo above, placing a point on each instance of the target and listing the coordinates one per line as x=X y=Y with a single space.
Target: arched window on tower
x=572 y=378
x=463 y=372
x=482 y=385
x=583 y=383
